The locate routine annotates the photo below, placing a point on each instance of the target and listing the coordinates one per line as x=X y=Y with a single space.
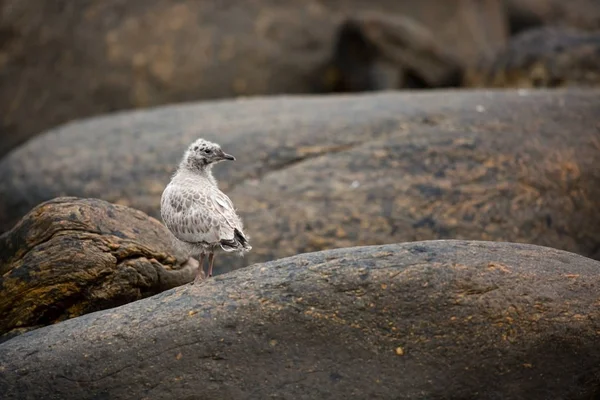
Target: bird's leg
x=211 y=260
x=200 y=269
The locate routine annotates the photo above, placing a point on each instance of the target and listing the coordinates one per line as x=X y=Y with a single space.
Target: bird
x=200 y=217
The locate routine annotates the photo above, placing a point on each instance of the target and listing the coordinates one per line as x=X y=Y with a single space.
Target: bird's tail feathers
x=239 y=243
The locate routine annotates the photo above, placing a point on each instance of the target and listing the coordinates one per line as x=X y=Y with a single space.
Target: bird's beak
x=228 y=157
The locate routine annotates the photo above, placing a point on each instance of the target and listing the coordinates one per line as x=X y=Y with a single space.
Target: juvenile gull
x=201 y=218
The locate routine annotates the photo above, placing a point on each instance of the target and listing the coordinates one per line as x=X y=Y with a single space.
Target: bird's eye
x=207 y=151
x=196 y=148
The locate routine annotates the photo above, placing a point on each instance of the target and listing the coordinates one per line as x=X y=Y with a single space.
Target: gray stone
x=527 y=14
x=315 y=173
x=543 y=57
x=64 y=60
x=424 y=320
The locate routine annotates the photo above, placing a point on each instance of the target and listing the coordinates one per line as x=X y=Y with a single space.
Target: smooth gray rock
x=315 y=173
x=423 y=320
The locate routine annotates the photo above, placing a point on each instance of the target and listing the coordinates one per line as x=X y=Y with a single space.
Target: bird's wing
x=194 y=215
x=223 y=205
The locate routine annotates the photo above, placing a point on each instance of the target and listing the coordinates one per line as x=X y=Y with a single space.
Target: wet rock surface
x=319 y=173
x=71 y=256
x=435 y=320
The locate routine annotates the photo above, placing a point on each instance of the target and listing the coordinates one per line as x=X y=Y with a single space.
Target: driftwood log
x=425 y=320
x=70 y=256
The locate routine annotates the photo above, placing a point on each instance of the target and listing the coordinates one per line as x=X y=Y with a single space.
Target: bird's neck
x=196 y=172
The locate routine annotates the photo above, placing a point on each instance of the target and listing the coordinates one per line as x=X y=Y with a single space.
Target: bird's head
x=202 y=153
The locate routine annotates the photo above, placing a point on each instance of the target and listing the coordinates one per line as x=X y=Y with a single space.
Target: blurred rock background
x=64 y=60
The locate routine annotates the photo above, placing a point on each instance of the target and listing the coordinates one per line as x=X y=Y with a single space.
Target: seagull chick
x=201 y=217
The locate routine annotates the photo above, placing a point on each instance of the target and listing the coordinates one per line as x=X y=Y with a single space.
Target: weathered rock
x=428 y=320
x=66 y=59
x=319 y=173
x=70 y=256
x=527 y=14
x=545 y=57
x=379 y=51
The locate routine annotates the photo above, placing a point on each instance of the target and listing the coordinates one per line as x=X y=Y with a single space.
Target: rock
x=545 y=57
x=71 y=256
x=317 y=173
x=73 y=59
x=434 y=320
x=527 y=14
x=379 y=52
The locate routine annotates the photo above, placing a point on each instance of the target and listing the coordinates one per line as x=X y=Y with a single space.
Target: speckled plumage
x=201 y=217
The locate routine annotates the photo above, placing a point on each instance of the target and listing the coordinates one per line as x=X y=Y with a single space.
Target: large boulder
x=70 y=256
x=376 y=51
x=428 y=320
x=64 y=59
x=319 y=173
x=544 y=57
x=527 y=14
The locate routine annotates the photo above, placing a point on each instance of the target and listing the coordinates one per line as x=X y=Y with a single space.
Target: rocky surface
x=527 y=14
x=544 y=57
x=63 y=60
x=376 y=51
x=319 y=173
x=70 y=256
x=425 y=320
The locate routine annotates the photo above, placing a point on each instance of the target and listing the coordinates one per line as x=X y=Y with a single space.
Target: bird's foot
x=200 y=272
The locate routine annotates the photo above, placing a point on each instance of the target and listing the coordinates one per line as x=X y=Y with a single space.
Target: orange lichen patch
x=76 y=310
x=268 y=304
x=317 y=242
x=322 y=315
x=382 y=254
x=380 y=153
x=499 y=266
x=340 y=233
x=459 y=266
